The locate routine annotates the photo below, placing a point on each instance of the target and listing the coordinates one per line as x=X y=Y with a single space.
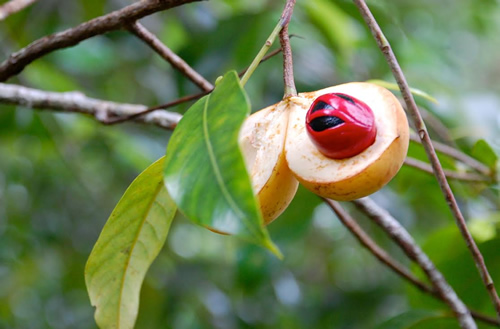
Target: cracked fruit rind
x=362 y=174
x=262 y=141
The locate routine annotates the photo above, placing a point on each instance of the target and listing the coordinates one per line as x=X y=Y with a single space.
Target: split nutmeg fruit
x=343 y=143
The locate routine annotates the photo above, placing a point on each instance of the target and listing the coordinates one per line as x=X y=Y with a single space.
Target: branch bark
x=399 y=234
x=104 y=111
x=13 y=6
x=391 y=263
x=77 y=102
x=386 y=49
x=71 y=37
x=290 y=89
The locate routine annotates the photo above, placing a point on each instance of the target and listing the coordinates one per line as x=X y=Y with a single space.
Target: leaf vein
x=129 y=256
x=215 y=166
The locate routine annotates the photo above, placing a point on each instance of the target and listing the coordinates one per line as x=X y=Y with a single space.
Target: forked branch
x=101 y=110
x=70 y=37
x=399 y=234
x=386 y=49
x=105 y=112
x=391 y=263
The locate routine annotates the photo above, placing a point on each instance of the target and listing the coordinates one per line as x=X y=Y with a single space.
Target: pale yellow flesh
x=360 y=175
x=262 y=141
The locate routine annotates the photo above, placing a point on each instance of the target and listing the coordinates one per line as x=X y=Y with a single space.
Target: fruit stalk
x=288 y=78
x=262 y=52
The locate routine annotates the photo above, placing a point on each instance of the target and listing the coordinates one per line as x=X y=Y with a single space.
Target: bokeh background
x=62 y=174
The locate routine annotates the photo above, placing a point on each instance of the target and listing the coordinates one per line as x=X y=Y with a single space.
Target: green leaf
x=205 y=172
x=418 y=319
x=484 y=153
x=395 y=87
x=128 y=244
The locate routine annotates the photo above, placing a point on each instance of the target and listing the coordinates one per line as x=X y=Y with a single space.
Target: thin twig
x=13 y=6
x=166 y=53
x=106 y=112
x=77 y=102
x=180 y=100
x=134 y=116
x=260 y=55
x=485 y=318
x=463 y=176
x=290 y=89
x=399 y=234
x=265 y=58
x=387 y=260
x=456 y=154
x=112 y=21
x=282 y=24
x=429 y=149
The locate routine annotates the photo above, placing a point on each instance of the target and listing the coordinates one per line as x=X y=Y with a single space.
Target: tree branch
x=424 y=166
x=290 y=89
x=77 y=102
x=457 y=155
x=180 y=100
x=386 y=49
x=387 y=260
x=375 y=249
x=136 y=115
x=399 y=234
x=112 y=21
x=151 y=40
x=13 y=6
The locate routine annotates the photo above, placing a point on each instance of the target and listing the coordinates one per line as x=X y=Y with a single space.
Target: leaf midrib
x=215 y=166
x=132 y=248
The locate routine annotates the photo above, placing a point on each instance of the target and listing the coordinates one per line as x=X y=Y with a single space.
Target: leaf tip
x=273 y=248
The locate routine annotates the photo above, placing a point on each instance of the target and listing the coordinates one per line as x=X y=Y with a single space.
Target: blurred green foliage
x=62 y=174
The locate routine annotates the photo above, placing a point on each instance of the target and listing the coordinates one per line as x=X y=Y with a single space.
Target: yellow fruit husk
x=262 y=141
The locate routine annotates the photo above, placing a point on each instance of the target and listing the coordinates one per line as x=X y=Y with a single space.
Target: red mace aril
x=340 y=126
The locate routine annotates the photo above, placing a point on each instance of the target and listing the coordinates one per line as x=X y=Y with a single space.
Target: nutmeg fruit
x=343 y=143
x=358 y=175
